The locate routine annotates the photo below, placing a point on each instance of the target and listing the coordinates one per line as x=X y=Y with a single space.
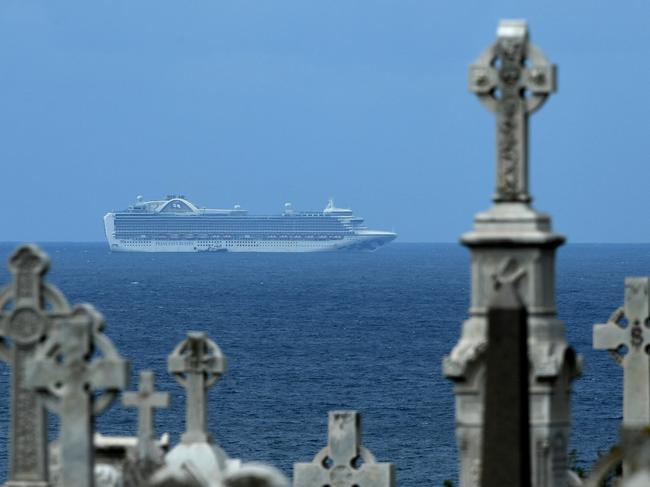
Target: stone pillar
x=514 y=243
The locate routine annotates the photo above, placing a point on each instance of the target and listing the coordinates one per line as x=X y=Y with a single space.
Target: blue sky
x=262 y=102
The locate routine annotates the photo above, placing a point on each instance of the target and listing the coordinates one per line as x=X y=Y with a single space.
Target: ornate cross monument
x=67 y=372
x=513 y=243
x=28 y=309
x=197 y=363
x=146 y=399
x=614 y=335
x=511 y=89
x=344 y=462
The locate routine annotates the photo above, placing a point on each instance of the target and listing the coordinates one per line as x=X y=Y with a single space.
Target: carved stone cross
x=635 y=337
x=344 y=462
x=512 y=78
x=28 y=309
x=146 y=399
x=67 y=371
x=197 y=363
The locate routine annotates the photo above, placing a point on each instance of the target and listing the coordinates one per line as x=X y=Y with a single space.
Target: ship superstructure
x=175 y=224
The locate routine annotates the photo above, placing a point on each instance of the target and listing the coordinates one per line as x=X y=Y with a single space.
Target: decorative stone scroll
x=28 y=309
x=67 y=371
x=146 y=399
x=613 y=335
x=513 y=79
x=344 y=462
x=196 y=363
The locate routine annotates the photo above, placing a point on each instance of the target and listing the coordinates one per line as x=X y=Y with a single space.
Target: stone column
x=514 y=243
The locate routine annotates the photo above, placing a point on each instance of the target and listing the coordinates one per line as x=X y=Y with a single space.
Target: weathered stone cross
x=344 y=462
x=28 y=309
x=636 y=337
x=197 y=363
x=505 y=84
x=64 y=372
x=146 y=399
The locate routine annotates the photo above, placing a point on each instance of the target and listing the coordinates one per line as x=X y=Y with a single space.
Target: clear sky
x=262 y=102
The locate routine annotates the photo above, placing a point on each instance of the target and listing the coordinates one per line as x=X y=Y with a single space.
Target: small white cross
x=146 y=399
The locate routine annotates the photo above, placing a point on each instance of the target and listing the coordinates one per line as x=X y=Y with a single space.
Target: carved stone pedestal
x=513 y=243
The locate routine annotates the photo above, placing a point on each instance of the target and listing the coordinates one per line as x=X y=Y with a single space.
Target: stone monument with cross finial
x=512 y=242
x=344 y=462
x=197 y=363
x=146 y=399
x=635 y=337
x=29 y=308
x=75 y=362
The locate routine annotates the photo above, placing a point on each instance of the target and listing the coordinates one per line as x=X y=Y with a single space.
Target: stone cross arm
x=635 y=337
x=146 y=395
x=344 y=462
x=197 y=353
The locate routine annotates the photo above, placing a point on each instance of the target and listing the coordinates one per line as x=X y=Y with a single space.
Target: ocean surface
x=308 y=333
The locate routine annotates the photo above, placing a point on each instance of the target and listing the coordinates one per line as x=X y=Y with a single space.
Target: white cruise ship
x=175 y=224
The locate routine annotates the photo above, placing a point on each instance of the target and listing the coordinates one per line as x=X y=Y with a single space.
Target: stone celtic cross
x=67 y=370
x=28 y=309
x=146 y=399
x=512 y=78
x=196 y=363
x=344 y=462
x=613 y=335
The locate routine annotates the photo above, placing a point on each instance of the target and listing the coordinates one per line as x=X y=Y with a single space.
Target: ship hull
x=359 y=243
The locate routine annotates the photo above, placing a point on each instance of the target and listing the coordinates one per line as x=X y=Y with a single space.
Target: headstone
x=344 y=462
x=635 y=337
x=514 y=243
x=28 y=309
x=506 y=435
x=67 y=372
x=196 y=363
x=146 y=399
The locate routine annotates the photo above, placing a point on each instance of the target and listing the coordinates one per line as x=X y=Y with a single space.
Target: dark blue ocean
x=307 y=333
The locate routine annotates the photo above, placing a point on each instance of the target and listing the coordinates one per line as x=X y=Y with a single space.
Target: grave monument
x=513 y=243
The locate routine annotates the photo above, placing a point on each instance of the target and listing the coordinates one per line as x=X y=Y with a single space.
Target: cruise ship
x=175 y=224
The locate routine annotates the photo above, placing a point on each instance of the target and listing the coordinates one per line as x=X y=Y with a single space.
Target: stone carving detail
x=508 y=272
x=613 y=336
x=513 y=90
x=24 y=322
x=67 y=373
x=197 y=363
x=344 y=462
